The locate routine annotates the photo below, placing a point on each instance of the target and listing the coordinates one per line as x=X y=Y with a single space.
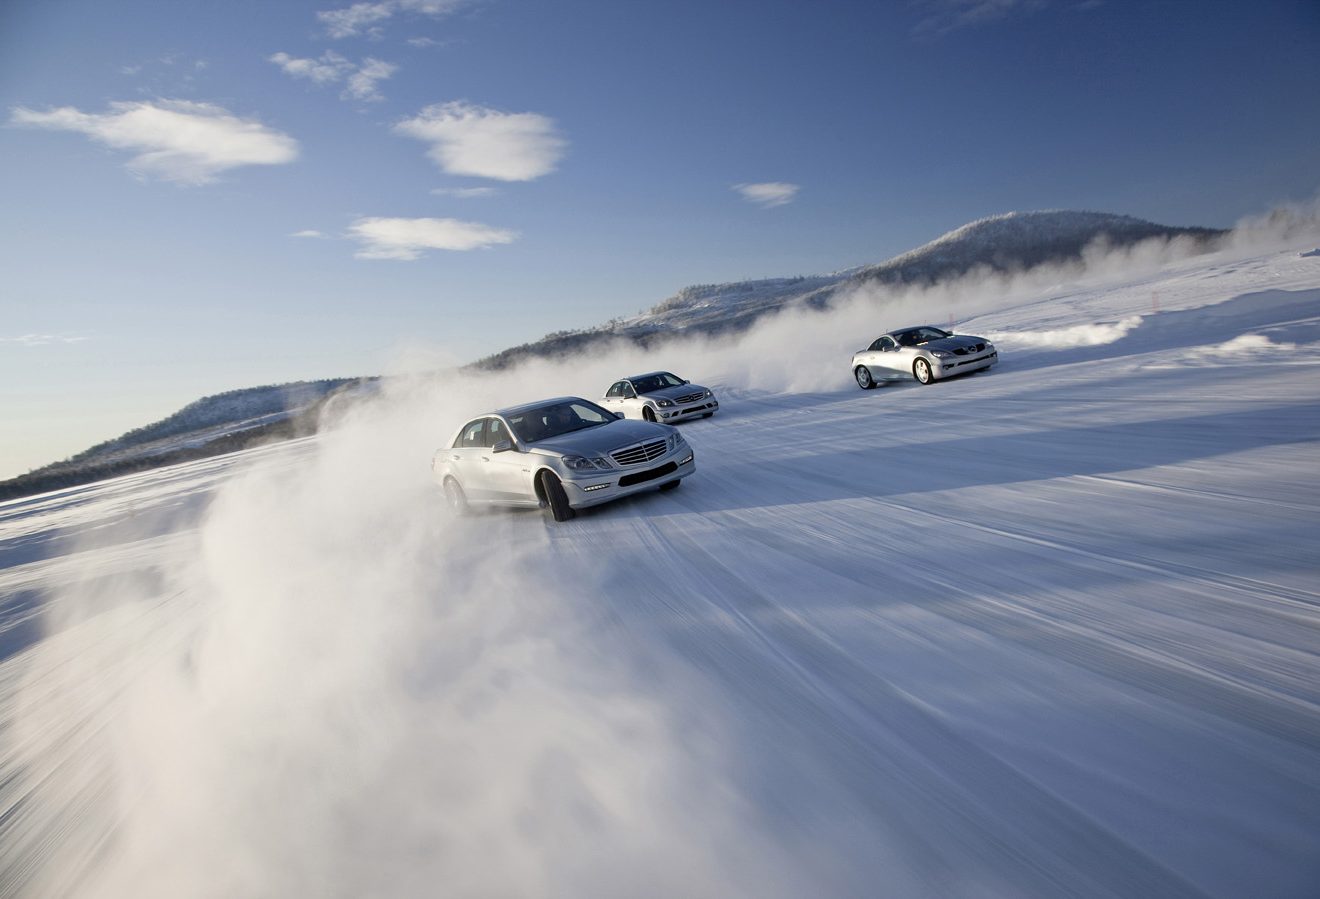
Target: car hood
x=604 y=438
x=956 y=342
x=673 y=393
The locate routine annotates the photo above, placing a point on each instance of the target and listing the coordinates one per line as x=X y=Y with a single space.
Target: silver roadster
x=926 y=353
x=561 y=454
x=660 y=396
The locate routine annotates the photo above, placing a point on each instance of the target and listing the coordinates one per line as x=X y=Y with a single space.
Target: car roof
x=647 y=375
x=527 y=407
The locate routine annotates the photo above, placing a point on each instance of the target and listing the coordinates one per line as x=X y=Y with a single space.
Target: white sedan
x=926 y=353
x=660 y=396
x=562 y=454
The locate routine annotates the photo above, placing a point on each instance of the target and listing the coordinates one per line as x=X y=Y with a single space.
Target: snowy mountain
x=217 y=424
x=1047 y=630
x=1003 y=243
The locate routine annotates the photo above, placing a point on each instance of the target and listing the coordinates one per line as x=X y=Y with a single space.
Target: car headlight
x=582 y=463
x=675 y=441
x=707 y=395
x=664 y=402
x=941 y=354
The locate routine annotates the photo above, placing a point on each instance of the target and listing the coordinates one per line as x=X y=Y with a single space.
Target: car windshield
x=917 y=336
x=657 y=381
x=558 y=418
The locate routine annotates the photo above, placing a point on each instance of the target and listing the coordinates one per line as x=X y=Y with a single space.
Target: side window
x=474 y=433
x=627 y=388
x=495 y=431
x=617 y=389
x=887 y=343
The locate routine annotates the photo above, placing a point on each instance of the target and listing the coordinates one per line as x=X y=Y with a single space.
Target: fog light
x=687 y=460
x=595 y=487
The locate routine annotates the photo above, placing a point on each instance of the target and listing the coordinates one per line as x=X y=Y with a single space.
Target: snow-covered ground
x=1048 y=630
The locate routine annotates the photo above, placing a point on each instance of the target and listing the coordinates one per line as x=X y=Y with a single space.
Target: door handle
x=455 y=458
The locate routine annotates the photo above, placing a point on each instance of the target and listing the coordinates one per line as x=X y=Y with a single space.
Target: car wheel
x=455 y=498
x=555 y=497
x=647 y=413
x=864 y=379
x=671 y=485
x=921 y=371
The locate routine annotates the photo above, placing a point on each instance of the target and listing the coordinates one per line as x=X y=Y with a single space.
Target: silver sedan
x=561 y=454
x=926 y=353
x=660 y=396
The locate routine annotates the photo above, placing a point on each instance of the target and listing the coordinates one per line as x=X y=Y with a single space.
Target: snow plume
x=328 y=688
x=1288 y=226
x=1097 y=334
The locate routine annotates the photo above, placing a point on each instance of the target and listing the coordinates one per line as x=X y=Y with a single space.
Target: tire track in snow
x=988 y=808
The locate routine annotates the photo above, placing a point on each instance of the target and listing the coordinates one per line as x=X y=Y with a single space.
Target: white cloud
x=175 y=140
x=943 y=16
x=41 y=339
x=353 y=19
x=473 y=140
x=402 y=238
x=366 y=18
x=768 y=193
x=362 y=83
x=331 y=67
x=464 y=193
x=310 y=232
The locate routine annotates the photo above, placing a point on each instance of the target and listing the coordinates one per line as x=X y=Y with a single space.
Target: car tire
x=864 y=379
x=555 y=497
x=455 y=498
x=671 y=485
x=921 y=371
x=647 y=413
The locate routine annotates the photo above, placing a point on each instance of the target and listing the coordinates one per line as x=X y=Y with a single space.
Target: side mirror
x=686 y=381
x=502 y=446
x=619 y=415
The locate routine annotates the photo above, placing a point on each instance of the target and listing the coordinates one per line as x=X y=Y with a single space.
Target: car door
x=613 y=399
x=465 y=460
x=631 y=405
x=881 y=357
x=507 y=472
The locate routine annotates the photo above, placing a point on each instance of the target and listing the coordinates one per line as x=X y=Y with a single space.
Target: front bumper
x=960 y=365
x=701 y=407
x=601 y=487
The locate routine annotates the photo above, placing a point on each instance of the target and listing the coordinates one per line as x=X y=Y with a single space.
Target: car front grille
x=642 y=452
x=966 y=350
x=689 y=398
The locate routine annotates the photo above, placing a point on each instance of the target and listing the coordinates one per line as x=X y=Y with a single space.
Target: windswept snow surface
x=1047 y=630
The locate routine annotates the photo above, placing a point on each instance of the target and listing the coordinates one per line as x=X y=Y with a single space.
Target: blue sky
x=201 y=196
